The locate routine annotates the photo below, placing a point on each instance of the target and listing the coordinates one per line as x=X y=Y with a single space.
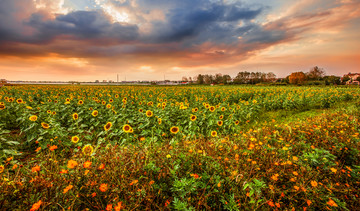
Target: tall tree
x=297 y=78
x=316 y=73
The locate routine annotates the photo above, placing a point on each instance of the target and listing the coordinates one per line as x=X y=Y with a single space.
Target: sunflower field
x=179 y=148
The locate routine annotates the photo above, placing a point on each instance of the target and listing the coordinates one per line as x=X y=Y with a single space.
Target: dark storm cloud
x=213 y=21
x=84 y=25
x=187 y=24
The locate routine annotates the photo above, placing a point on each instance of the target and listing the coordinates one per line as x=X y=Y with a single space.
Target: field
x=179 y=148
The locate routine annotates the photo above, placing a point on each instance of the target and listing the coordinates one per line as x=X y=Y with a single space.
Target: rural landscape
x=183 y=147
x=179 y=105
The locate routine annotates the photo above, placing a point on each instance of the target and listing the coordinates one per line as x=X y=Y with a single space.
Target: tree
x=297 y=78
x=332 y=79
x=184 y=79
x=218 y=78
x=345 y=79
x=242 y=77
x=316 y=73
x=200 y=79
x=226 y=79
x=270 y=77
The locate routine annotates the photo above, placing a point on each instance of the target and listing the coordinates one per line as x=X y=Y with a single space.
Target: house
x=353 y=78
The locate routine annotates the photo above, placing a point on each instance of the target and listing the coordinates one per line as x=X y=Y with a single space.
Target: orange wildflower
x=314 y=183
x=35 y=169
x=109 y=207
x=36 y=206
x=87 y=164
x=38 y=149
x=104 y=187
x=332 y=203
x=68 y=188
x=101 y=167
x=72 y=164
x=53 y=147
x=119 y=206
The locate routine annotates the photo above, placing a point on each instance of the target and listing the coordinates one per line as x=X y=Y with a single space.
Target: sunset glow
x=88 y=40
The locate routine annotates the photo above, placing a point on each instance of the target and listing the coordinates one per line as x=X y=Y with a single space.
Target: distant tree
x=226 y=79
x=316 y=73
x=270 y=77
x=184 y=79
x=242 y=78
x=208 y=79
x=297 y=78
x=218 y=78
x=345 y=79
x=332 y=79
x=358 y=78
x=200 y=79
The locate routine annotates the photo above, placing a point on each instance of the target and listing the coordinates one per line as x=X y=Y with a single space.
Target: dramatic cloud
x=91 y=37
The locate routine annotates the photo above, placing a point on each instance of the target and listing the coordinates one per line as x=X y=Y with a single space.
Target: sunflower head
x=107 y=126
x=33 y=118
x=127 y=128
x=19 y=100
x=45 y=125
x=75 y=116
x=174 y=130
x=2 y=106
x=220 y=123
x=108 y=106
x=159 y=121
x=237 y=122
x=212 y=108
x=87 y=150
x=213 y=133
x=80 y=102
x=149 y=113
x=94 y=113
x=75 y=139
x=192 y=117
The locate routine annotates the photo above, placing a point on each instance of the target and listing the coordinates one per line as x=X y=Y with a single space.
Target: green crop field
x=179 y=148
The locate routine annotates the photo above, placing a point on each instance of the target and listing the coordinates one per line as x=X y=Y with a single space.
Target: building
x=353 y=78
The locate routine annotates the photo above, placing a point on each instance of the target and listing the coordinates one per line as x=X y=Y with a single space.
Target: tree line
x=314 y=76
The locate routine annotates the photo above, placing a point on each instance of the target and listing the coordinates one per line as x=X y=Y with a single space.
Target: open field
x=183 y=148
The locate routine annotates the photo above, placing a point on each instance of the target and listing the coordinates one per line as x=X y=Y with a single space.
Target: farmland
x=185 y=147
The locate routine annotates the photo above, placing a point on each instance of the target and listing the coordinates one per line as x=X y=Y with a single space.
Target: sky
x=88 y=40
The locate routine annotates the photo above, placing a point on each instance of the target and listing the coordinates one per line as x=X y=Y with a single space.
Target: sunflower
x=80 y=102
x=213 y=133
x=75 y=116
x=149 y=113
x=19 y=100
x=196 y=109
x=140 y=110
x=212 y=108
x=53 y=113
x=67 y=100
x=192 y=117
x=174 y=130
x=107 y=126
x=108 y=106
x=116 y=96
x=223 y=108
x=237 y=122
x=75 y=139
x=94 y=113
x=127 y=128
x=87 y=150
x=2 y=107
x=221 y=116
x=111 y=100
x=48 y=111
x=45 y=125
x=220 y=123
x=33 y=118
